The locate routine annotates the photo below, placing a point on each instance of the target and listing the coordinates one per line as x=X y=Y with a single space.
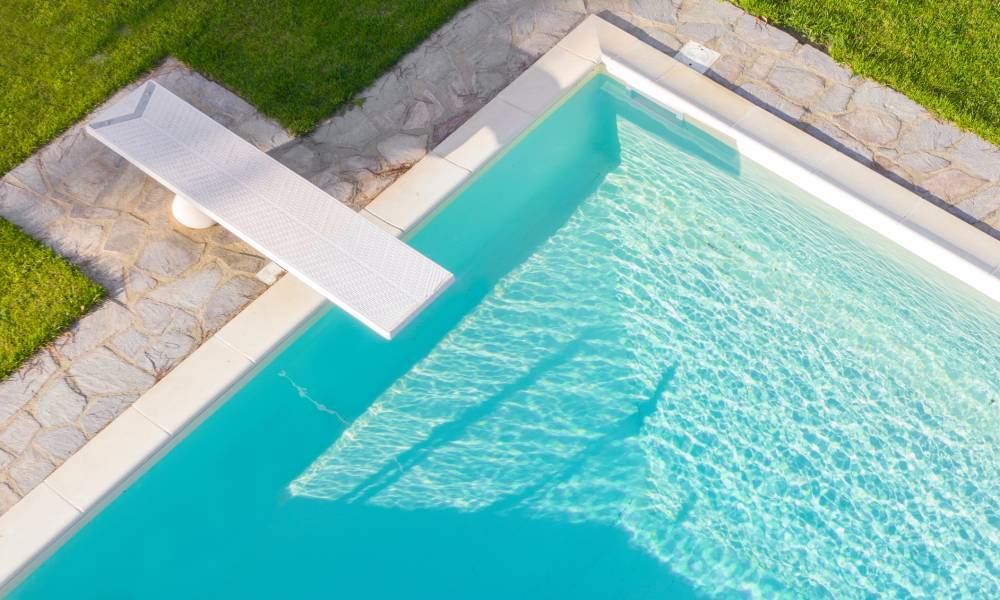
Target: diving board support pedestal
x=189 y=215
x=219 y=177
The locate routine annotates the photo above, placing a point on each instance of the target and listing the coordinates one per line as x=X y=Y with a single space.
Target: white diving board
x=367 y=272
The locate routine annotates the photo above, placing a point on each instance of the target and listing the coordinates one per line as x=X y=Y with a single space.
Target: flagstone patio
x=170 y=288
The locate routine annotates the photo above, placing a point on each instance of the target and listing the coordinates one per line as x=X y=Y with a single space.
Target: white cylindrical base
x=189 y=215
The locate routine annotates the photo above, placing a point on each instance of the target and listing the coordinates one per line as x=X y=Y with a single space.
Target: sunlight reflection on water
x=761 y=401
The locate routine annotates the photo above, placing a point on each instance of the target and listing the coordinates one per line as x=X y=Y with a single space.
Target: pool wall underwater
x=36 y=527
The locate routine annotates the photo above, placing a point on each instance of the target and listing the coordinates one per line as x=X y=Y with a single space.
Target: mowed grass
x=40 y=295
x=944 y=55
x=296 y=60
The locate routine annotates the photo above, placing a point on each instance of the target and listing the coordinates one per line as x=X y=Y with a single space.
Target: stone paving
x=171 y=287
x=410 y=109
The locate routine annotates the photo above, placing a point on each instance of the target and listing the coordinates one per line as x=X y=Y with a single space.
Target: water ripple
x=766 y=403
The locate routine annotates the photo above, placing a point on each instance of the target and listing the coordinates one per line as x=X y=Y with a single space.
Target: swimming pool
x=661 y=372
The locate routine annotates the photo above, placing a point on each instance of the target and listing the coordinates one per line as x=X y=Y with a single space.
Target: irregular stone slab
x=839 y=139
x=155 y=317
x=990 y=223
x=87 y=334
x=137 y=282
x=418 y=116
x=5 y=459
x=86 y=183
x=979 y=156
x=795 y=83
x=922 y=162
x=370 y=184
x=885 y=164
x=759 y=33
x=130 y=343
x=261 y=131
x=23 y=384
x=402 y=149
x=163 y=352
x=770 y=100
x=8 y=497
x=465 y=28
x=61 y=443
x=596 y=6
x=75 y=239
x=726 y=69
x=349 y=130
x=29 y=470
x=341 y=190
x=299 y=157
x=59 y=404
x=358 y=162
x=664 y=41
x=493 y=49
x=101 y=411
x=870 y=126
x=822 y=63
x=702 y=33
x=238 y=261
x=880 y=98
x=223 y=237
x=662 y=11
x=385 y=103
x=229 y=299
x=169 y=256
x=708 y=11
x=834 y=100
x=126 y=236
x=19 y=431
x=982 y=204
x=108 y=270
x=29 y=176
x=152 y=205
x=93 y=212
x=124 y=187
x=929 y=135
x=104 y=372
x=730 y=44
x=31 y=213
x=64 y=155
x=191 y=292
x=952 y=184
x=199 y=92
x=761 y=66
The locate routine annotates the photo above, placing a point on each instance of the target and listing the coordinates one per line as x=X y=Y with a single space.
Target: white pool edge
x=41 y=521
x=99 y=471
x=925 y=230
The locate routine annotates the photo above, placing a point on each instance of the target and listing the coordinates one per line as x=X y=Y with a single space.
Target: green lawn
x=943 y=54
x=296 y=60
x=40 y=295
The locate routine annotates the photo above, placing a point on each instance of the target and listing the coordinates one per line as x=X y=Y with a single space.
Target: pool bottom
x=659 y=376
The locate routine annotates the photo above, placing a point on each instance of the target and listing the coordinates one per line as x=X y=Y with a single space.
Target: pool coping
x=47 y=516
x=917 y=225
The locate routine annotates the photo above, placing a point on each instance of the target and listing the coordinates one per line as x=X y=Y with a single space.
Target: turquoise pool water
x=661 y=373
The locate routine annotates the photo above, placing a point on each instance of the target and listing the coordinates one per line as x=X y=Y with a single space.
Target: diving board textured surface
x=362 y=269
